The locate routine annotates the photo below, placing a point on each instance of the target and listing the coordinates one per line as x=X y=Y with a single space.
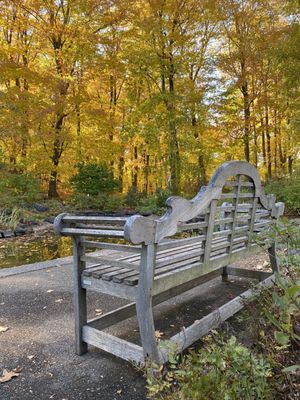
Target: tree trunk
x=268 y=136
x=121 y=173
x=135 y=168
x=290 y=165
x=174 y=155
x=263 y=142
x=246 y=106
x=57 y=151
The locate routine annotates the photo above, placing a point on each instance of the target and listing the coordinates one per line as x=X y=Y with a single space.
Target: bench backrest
x=230 y=208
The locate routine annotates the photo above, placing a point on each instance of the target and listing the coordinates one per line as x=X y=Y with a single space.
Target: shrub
x=155 y=204
x=101 y=202
x=288 y=191
x=93 y=179
x=134 y=197
x=223 y=370
x=16 y=188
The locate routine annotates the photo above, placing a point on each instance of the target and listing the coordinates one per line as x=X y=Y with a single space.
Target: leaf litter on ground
x=8 y=375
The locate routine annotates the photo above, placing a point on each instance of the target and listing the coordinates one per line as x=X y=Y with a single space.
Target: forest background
x=147 y=95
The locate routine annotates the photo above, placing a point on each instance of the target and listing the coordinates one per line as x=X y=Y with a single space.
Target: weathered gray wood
x=210 y=230
x=235 y=212
x=80 y=310
x=252 y=220
x=192 y=225
x=100 y=227
x=233 y=195
x=112 y=246
x=100 y=272
x=112 y=344
x=133 y=279
x=201 y=327
x=144 y=304
x=170 y=244
x=91 y=232
x=112 y=288
x=181 y=275
x=110 y=261
x=94 y=219
x=95 y=267
x=248 y=273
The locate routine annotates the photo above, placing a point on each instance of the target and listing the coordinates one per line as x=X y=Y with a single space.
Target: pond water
x=28 y=249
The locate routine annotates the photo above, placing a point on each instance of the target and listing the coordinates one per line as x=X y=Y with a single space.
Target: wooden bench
x=157 y=259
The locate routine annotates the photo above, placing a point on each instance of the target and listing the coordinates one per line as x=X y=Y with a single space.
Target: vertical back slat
x=235 y=203
x=210 y=230
x=252 y=221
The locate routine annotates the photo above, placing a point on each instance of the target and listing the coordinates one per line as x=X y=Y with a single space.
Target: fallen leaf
x=158 y=335
x=265 y=263
x=4 y=328
x=119 y=391
x=30 y=357
x=8 y=375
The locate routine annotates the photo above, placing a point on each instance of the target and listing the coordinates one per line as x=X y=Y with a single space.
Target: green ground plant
x=284 y=298
x=9 y=220
x=221 y=370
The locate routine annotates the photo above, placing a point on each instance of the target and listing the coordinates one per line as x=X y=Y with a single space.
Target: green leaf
x=282 y=338
x=291 y=368
x=294 y=290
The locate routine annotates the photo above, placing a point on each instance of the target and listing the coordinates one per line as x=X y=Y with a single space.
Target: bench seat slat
x=167 y=264
x=112 y=262
x=99 y=273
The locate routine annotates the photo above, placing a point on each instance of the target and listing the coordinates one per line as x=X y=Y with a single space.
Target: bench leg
x=144 y=304
x=224 y=274
x=273 y=258
x=80 y=310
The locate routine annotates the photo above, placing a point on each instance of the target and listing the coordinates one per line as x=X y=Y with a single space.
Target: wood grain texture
x=112 y=344
x=79 y=296
x=144 y=303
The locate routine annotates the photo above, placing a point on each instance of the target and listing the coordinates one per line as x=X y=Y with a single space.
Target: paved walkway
x=36 y=305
